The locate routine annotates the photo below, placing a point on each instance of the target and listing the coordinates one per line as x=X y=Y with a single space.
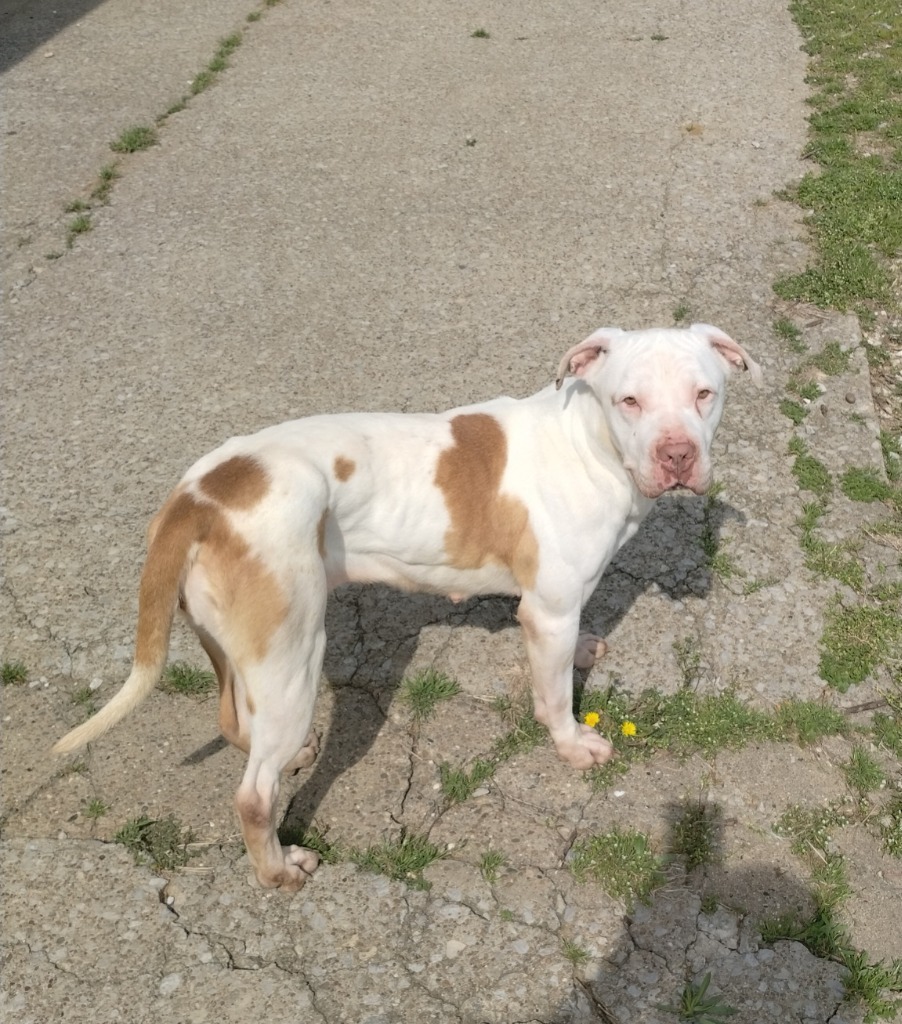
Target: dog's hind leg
x=281 y=691
x=233 y=723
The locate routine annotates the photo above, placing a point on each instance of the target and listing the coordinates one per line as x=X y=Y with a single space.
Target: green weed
x=424 y=691
x=458 y=784
x=694 y=834
x=862 y=772
x=13 y=673
x=490 y=864
x=134 y=139
x=162 y=843
x=622 y=863
x=697 y=1007
x=402 y=859
x=180 y=677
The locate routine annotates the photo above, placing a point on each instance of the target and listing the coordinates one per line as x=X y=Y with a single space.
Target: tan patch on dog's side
x=343 y=468
x=240 y=482
x=486 y=526
x=247 y=593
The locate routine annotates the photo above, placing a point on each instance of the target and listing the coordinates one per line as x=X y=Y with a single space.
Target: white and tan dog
x=530 y=498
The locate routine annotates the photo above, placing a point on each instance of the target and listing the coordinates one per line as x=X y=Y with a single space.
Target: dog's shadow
x=373 y=632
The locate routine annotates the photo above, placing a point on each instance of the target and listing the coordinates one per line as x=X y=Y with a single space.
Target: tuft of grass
x=688 y=652
x=402 y=859
x=480 y=33
x=694 y=833
x=622 y=863
x=423 y=692
x=887 y=731
x=808 y=721
x=855 y=641
x=681 y=313
x=718 y=561
x=892 y=456
x=793 y=410
x=255 y=16
x=695 y=1006
x=95 y=809
x=574 y=953
x=77 y=226
x=864 y=485
x=313 y=839
x=490 y=863
x=525 y=732
x=862 y=772
x=162 y=843
x=108 y=174
x=855 y=194
x=134 y=139
x=811 y=474
x=808 y=828
x=180 y=677
x=84 y=698
x=785 y=329
x=458 y=784
x=13 y=673
x=832 y=360
x=77 y=206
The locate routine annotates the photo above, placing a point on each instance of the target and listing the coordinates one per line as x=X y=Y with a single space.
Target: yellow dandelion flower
x=592 y=719
x=628 y=728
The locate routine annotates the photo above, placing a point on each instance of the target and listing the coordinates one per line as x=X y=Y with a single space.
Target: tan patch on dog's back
x=486 y=526
x=343 y=467
x=247 y=595
x=240 y=482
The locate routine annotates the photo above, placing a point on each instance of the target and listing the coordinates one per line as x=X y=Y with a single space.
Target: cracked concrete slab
x=372 y=209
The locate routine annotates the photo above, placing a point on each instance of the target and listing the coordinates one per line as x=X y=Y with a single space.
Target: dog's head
x=662 y=393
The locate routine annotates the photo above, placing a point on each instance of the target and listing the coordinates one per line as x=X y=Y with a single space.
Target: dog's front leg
x=551 y=642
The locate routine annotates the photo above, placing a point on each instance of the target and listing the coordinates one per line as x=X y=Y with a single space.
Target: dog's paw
x=587 y=749
x=295 y=870
x=306 y=755
x=589 y=648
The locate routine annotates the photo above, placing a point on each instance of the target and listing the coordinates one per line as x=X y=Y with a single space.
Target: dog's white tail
x=180 y=526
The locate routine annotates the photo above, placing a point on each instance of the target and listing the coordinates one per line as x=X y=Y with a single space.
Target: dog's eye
x=629 y=400
x=704 y=393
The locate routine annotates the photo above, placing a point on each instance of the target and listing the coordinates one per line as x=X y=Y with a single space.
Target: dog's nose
x=676 y=456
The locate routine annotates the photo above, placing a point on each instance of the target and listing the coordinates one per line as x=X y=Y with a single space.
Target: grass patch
x=313 y=839
x=694 y=834
x=180 y=677
x=681 y=313
x=863 y=774
x=892 y=456
x=808 y=828
x=84 y=698
x=524 y=734
x=490 y=863
x=105 y=179
x=95 y=809
x=162 y=843
x=458 y=784
x=864 y=485
x=134 y=139
x=695 y=1006
x=855 y=641
x=811 y=474
x=787 y=331
x=423 y=692
x=793 y=410
x=832 y=360
x=855 y=195
x=480 y=33
x=574 y=953
x=79 y=225
x=807 y=722
x=622 y=863
x=13 y=673
x=402 y=859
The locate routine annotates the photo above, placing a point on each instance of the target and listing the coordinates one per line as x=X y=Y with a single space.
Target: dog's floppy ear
x=581 y=357
x=735 y=355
